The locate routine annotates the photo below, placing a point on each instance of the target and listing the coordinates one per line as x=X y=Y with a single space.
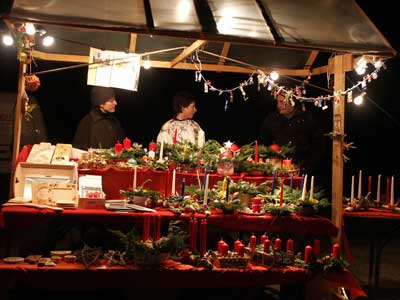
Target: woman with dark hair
x=182 y=128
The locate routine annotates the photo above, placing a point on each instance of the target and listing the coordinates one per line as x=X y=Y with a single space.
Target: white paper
x=115 y=69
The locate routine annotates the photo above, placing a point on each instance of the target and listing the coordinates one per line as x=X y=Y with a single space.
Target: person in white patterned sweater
x=182 y=128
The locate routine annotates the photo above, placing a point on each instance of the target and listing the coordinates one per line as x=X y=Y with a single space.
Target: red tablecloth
x=171 y=275
x=22 y=217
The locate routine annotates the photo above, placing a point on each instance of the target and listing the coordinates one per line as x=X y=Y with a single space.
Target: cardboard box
x=28 y=173
x=91 y=203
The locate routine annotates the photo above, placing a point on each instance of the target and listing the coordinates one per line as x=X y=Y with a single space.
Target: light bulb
x=147 y=64
x=48 y=41
x=359 y=99
x=30 y=29
x=274 y=75
x=7 y=40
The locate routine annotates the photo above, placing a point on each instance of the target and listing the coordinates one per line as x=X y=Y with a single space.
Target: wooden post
x=18 y=115
x=341 y=64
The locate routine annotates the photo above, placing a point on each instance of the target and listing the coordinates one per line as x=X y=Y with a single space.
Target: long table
x=171 y=275
x=383 y=225
x=25 y=217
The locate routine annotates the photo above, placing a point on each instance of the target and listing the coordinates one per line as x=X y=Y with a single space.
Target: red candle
x=316 y=247
x=203 y=237
x=236 y=245
x=146 y=228
x=193 y=234
x=308 y=254
x=287 y=163
x=240 y=250
x=154 y=226
x=152 y=146
x=175 y=136
x=369 y=184
x=277 y=244
x=289 y=246
x=118 y=148
x=256 y=152
x=253 y=243
x=336 y=251
x=267 y=244
x=281 y=195
x=225 y=248
x=387 y=191
x=220 y=244
x=263 y=239
x=127 y=143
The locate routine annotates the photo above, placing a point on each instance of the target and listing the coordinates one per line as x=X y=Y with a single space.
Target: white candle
x=392 y=192
x=173 y=183
x=161 y=151
x=352 y=191
x=359 y=185
x=134 y=178
x=378 y=190
x=303 y=194
x=312 y=188
x=205 y=200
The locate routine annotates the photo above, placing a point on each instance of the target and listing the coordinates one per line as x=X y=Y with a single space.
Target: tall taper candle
x=173 y=188
x=392 y=192
x=378 y=189
x=161 y=150
x=369 y=185
x=352 y=202
x=303 y=194
x=312 y=188
x=205 y=200
x=134 y=179
x=359 y=185
x=183 y=183
x=387 y=192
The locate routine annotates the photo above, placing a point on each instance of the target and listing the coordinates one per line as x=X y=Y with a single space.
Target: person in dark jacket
x=99 y=128
x=292 y=126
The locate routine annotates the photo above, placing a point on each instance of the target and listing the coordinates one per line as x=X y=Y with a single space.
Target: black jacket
x=98 y=130
x=300 y=131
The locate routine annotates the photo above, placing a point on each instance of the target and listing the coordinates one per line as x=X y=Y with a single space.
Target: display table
x=25 y=217
x=382 y=226
x=171 y=275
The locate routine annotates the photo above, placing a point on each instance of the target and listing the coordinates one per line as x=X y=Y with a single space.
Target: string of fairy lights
x=269 y=81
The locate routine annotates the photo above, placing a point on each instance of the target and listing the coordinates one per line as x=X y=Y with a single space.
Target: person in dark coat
x=290 y=125
x=99 y=128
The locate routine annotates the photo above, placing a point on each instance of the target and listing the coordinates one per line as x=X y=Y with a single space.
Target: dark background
x=373 y=126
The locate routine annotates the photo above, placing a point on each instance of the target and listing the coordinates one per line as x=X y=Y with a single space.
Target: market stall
x=273 y=33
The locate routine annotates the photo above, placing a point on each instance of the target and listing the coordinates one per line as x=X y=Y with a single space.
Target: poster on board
x=114 y=69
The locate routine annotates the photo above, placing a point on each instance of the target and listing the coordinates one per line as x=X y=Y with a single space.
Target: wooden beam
x=224 y=53
x=167 y=65
x=311 y=59
x=187 y=51
x=319 y=70
x=339 y=64
x=17 y=123
x=60 y=57
x=132 y=43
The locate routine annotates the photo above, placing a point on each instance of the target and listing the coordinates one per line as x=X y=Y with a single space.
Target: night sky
x=373 y=126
